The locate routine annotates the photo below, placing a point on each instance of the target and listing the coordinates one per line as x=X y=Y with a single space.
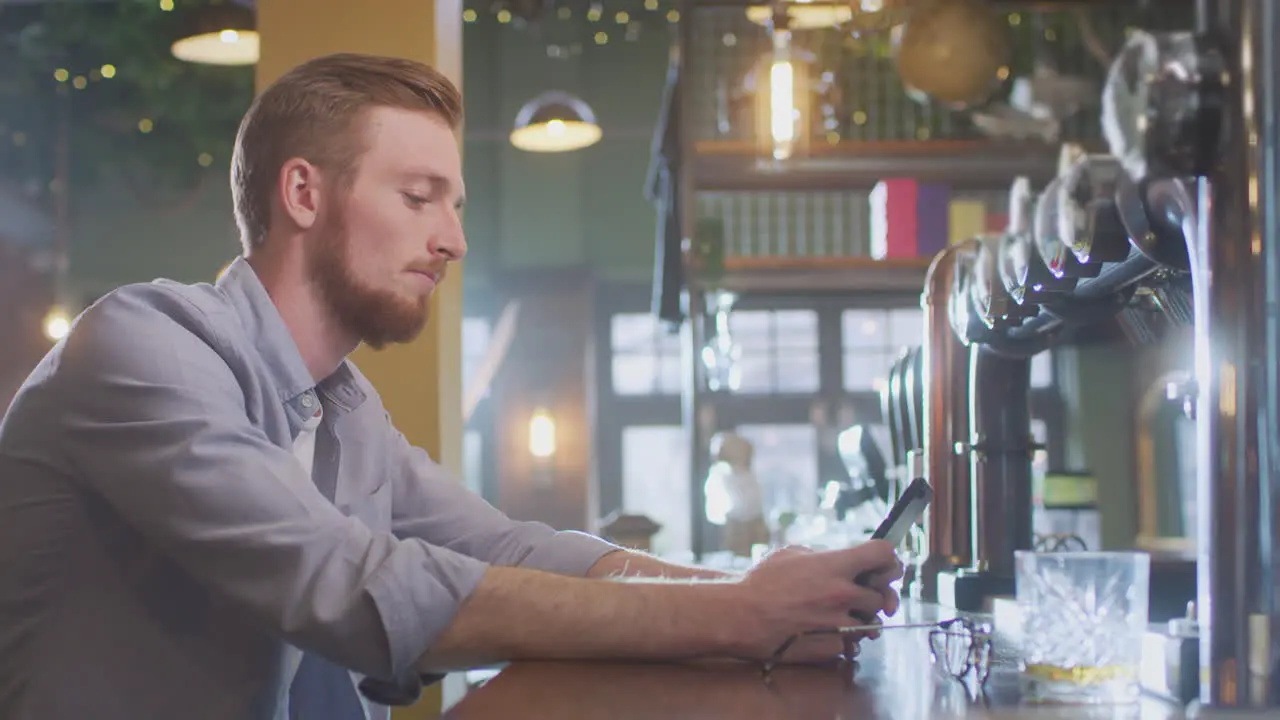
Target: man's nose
x=451 y=242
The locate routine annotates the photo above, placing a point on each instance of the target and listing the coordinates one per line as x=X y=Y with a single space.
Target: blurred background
x=804 y=140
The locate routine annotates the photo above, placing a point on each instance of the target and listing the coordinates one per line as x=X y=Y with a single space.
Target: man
x=197 y=488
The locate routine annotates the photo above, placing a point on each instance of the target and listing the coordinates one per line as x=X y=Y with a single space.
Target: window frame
x=656 y=351
x=616 y=412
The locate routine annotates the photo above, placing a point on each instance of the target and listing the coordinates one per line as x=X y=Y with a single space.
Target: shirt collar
x=275 y=344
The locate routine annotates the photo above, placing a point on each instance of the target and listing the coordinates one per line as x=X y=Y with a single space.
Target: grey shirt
x=164 y=554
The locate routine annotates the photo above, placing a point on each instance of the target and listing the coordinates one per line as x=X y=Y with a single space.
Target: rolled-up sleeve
x=155 y=423
x=431 y=505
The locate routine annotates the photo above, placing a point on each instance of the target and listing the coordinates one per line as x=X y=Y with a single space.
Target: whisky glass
x=1083 y=618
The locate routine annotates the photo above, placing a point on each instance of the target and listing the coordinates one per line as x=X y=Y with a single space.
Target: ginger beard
x=376 y=316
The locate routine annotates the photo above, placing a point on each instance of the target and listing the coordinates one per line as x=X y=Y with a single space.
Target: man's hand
x=796 y=590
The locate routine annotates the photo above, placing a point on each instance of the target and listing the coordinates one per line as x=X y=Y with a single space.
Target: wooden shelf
x=727 y=165
x=820 y=275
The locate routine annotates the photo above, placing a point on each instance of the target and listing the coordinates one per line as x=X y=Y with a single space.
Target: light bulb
x=782 y=97
x=542 y=434
x=57 y=324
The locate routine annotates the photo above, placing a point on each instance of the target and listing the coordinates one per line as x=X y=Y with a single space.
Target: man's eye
x=414 y=201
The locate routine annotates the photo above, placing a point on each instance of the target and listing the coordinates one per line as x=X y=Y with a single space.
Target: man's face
x=382 y=246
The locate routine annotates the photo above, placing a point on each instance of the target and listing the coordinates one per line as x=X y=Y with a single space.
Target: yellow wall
x=420 y=383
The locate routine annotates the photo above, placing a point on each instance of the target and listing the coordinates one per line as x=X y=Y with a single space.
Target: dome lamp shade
x=222 y=33
x=555 y=122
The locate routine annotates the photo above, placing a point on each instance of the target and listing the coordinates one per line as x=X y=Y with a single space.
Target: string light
x=205 y=160
x=631 y=20
x=80 y=82
x=166 y=5
x=145 y=125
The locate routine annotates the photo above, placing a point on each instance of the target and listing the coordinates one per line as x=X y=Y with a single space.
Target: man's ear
x=300 y=192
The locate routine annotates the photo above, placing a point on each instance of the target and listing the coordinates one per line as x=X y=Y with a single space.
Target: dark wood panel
x=820 y=275
x=26 y=295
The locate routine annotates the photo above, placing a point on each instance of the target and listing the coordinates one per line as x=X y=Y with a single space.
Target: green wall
x=584 y=208
x=525 y=210
x=118 y=238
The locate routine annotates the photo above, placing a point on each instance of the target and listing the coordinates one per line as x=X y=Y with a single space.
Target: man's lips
x=428 y=275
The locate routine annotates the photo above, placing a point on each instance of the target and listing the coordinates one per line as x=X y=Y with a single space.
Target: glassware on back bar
x=1083 y=617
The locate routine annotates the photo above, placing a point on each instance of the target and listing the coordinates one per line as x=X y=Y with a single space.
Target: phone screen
x=906 y=511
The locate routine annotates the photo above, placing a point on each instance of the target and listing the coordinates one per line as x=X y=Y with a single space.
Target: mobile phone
x=895 y=526
x=905 y=512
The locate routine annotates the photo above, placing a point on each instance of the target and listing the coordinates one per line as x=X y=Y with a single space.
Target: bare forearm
x=630 y=564
x=518 y=614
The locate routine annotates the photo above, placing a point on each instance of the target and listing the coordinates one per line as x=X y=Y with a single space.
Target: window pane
x=751 y=330
x=475 y=343
x=634 y=374
x=655 y=482
x=797 y=371
x=786 y=463
x=864 y=328
x=1042 y=370
x=668 y=342
x=633 y=332
x=796 y=328
x=1040 y=459
x=475 y=337
x=472 y=460
x=866 y=370
x=1039 y=430
x=906 y=327
x=755 y=372
x=468 y=373
x=670 y=380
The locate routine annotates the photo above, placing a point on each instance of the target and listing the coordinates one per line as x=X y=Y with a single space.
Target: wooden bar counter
x=894 y=679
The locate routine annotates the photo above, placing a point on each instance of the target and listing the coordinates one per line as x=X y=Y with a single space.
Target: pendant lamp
x=555 y=122
x=221 y=33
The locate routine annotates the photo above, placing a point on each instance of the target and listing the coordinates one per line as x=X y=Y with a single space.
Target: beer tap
x=1193 y=117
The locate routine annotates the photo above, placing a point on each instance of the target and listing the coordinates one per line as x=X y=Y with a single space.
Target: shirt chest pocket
x=364 y=486
x=373 y=508
x=359 y=472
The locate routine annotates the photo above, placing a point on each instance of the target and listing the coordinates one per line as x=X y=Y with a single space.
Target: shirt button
x=308 y=401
